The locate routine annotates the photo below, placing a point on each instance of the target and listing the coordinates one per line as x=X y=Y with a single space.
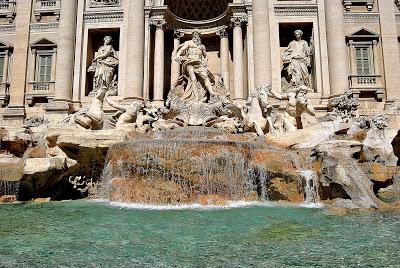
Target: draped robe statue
x=104 y=65
x=297 y=60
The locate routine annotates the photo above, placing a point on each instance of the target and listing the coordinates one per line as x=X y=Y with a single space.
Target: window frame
x=370 y=66
x=38 y=67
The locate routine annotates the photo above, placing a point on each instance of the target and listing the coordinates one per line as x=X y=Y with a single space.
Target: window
x=44 y=68
x=1 y=67
x=364 y=60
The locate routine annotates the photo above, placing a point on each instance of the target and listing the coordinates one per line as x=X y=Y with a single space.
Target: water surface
x=82 y=233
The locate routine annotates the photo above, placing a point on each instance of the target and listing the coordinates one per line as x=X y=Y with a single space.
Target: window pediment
x=363 y=34
x=43 y=44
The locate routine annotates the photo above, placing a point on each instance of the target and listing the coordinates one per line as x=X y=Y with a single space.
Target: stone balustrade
x=46 y=7
x=349 y=3
x=365 y=80
x=7 y=9
x=40 y=90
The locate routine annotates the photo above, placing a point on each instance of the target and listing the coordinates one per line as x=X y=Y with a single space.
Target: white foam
x=195 y=206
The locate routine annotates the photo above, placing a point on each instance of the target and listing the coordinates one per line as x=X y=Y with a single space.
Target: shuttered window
x=364 y=60
x=44 y=68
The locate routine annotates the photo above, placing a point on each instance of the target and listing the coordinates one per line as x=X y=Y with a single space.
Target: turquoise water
x=81 y=234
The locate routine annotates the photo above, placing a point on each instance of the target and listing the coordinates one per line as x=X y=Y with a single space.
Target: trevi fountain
x=203 y=180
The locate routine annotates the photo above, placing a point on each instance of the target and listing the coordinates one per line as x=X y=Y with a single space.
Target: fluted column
x=135 y=59
x=5 y=66
x=262 y=43
x=66 y=51
x=175 y=66
x=224 y=56
x=390 y=47
x=159 y=62
x=337 y=51
x=238 y=80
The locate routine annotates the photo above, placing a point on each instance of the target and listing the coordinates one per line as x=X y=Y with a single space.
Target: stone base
x=58 y=110
x=158 y=103
x=14 y=116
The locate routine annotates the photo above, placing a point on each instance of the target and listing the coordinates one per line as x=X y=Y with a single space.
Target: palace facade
x=47 y=47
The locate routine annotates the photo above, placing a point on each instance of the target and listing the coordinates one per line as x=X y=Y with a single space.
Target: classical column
x=66 y=53
x=337 y=51
x=15 y=111
x=159 y=62
x=262 y=43
x=53 y=67
x=135 y=59
x=175 y=66
x=224 y=56
x=238 y=77
x=5 y=66
x=390 y=47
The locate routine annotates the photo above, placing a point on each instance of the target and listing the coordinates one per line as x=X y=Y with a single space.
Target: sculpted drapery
x=104 y=66
x=297 y=60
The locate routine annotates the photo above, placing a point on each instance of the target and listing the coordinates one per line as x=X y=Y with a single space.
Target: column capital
x=222 y=33
x=159 y=24
x=238 y=21
x=178 y=34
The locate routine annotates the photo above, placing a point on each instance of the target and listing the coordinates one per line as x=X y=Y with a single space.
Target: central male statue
x=193 y=56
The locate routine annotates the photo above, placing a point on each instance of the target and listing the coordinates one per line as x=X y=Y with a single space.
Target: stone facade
x=47 y=47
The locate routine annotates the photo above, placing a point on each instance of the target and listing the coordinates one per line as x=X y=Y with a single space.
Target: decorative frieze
x=104 y=3
x=296 y=11
x=44 y=26
x=361 y=17
x=104 y=17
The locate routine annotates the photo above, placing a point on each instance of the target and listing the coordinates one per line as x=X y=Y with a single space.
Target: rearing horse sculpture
x=256 y=106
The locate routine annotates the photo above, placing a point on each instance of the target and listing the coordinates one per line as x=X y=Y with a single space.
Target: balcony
x=39 y=91
x=349 y=3
x=46 y=7
x=367 y=84
x=7 y=9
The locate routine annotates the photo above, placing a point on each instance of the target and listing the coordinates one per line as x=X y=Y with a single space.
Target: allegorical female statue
x=104 y=65
x=297 y=60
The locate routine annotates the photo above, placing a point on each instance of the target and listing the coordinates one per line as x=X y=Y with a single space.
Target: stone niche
x=95 y=41
x=212 y=43
x=286 y=35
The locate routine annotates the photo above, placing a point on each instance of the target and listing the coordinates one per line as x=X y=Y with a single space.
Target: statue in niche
x=297 y=61
x=103 y=66
x=297 y=105
x=197 y=82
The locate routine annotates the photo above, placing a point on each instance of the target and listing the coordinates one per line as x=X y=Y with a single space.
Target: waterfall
x=263 y=178
x=9 y=188
x=311 y=187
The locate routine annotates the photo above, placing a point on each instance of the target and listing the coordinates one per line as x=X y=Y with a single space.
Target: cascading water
x=183 y=166
x=311 y=186
x=9 y=188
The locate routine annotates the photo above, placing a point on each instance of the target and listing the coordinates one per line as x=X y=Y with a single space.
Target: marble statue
x=198 y=97
x=297 y=105
x=255 y=113
x=91 y=117
x=126 y=114
x=297 y=60
x=345 y=106
x=104 y=66
x=192 y=55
